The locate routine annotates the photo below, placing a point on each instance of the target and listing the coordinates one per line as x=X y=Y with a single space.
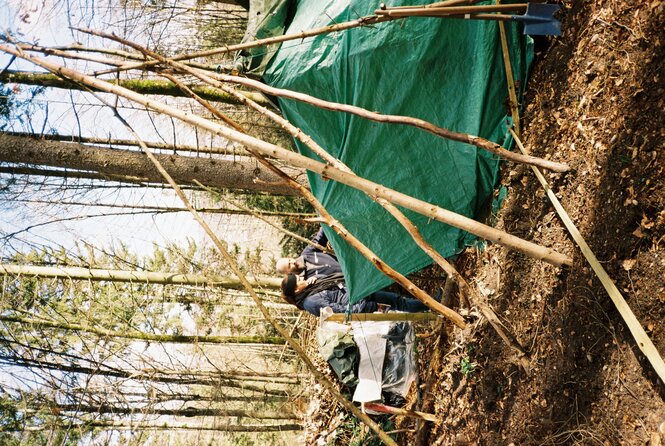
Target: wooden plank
x=364 y=317
x=641 y=338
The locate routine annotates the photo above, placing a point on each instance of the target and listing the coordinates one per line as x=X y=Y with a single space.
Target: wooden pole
x=362 y=21
x=116 y=275
x=512 y=93
x=393 y=316
x=466 y=138
x=450 y=10
x=326 y=171
x=643 y=341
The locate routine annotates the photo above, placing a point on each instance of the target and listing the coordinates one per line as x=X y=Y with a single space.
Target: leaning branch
x=329 y=220
x=327 y=171
x=473 y=140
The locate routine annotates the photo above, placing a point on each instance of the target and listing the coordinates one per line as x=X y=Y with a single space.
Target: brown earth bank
x=595 y=99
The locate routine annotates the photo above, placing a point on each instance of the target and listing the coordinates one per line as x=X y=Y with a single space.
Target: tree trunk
x=108 y=142
x=194 y=376
x=162 y=209
x=219 y=173
x=148 y=337
x=146 y=277
x=119 y=425
x=186 y=412
x=142 y=86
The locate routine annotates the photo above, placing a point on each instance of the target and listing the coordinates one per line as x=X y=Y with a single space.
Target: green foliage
x=44 y=426
x=17 y=105
x=354 y=433
x=467 y=365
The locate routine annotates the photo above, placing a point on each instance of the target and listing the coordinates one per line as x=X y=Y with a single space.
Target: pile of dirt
x=595 y=101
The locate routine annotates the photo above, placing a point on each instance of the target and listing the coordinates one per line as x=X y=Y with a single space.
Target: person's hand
x=311 y=281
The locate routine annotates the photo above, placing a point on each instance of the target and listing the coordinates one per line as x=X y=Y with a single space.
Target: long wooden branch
x=473 y=140
x=356 y=23
x=70 y=51
x=295 y=132
x=362 y=21
x=223 y=249
x=642 y=339
x=327 y=171
x=442 y=10
x=333 y=223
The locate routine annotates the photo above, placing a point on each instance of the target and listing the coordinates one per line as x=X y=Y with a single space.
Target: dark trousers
x=398 y=302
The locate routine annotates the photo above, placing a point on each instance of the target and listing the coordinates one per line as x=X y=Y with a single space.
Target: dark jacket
x=317 y=262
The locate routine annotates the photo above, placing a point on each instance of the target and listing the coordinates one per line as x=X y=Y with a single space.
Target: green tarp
x=449 y=72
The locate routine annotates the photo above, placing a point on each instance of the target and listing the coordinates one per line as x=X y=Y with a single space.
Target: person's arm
x=364 y=306
x=320 y=238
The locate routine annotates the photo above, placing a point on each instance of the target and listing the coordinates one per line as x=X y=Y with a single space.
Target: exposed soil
x=595 y=100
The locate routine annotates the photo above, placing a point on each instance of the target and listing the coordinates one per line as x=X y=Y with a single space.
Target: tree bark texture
x=238 y=173
x=119 y=425
x=186 y=412
x=148 y=337
x=117 y=275
x=142 y=86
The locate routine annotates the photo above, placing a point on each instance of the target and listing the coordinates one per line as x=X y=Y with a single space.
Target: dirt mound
x=595 y=100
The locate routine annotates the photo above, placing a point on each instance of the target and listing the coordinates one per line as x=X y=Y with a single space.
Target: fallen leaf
x=628 y=264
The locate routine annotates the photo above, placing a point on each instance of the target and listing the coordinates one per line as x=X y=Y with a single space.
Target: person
x=312 y=262
x=313 y=294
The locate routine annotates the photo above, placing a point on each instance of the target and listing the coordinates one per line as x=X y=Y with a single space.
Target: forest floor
x=595 y=100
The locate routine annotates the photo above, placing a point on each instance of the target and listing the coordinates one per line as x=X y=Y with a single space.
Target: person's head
x=287 y=265
x=292 y=285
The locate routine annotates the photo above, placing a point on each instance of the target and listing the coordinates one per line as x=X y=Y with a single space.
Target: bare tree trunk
x=186 y=412
x=125 y=425
x=106 y=142
x=168 y=209
x=194 y=376
x=220 y=173
x=142 y=86
x=141 y=336
x=116 y=275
